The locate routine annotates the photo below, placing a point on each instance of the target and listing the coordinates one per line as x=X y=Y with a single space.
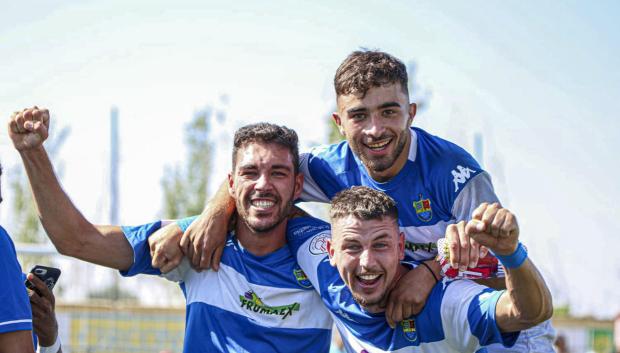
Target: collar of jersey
x=403 y=174
x=271 y=258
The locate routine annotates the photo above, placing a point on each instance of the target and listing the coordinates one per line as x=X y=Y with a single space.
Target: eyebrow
x=382 y=106
x=357 y=110
x=389 y=105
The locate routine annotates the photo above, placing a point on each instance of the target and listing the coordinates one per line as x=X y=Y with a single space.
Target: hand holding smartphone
x=48 y=275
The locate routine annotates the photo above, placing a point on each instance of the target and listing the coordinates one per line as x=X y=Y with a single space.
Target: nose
x=367 y=259
x=263 y=182
x=375 y=127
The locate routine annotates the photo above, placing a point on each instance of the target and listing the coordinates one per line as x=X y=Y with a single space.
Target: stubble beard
x=258 y=229
x=382 y=164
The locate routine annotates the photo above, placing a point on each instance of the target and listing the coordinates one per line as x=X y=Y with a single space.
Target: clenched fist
x=29 y=128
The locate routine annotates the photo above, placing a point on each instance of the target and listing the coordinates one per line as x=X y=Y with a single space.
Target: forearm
x=71 y=233
x=526 y=301
x=221 y=206
x=16 y=342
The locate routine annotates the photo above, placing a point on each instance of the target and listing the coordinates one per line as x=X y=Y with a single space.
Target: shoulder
x=447 y=166
x=442 y=155
x=327 y=157
x=305 y=227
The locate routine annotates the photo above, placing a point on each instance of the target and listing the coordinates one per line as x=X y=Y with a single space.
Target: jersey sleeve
x=468 y=317
x=138 y=237
x=325 y=171
x=476 y=191
x=307 y=238
x=15 y=312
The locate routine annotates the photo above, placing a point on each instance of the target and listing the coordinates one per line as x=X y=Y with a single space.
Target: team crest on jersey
x=301 y=277
x=318 y=245
x=409 y=329
x=252 y=302
x=423 y=209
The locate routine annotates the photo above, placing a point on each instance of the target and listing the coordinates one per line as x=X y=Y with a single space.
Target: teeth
x=378 y=144
x=263 y=203
x=369 y=277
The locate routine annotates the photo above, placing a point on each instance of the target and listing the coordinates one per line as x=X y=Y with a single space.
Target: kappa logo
x=461 y=176
x=250 y=301
x=409 y=329
x=318 y=245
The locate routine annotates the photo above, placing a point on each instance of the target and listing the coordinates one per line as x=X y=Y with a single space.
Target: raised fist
x=29 y=128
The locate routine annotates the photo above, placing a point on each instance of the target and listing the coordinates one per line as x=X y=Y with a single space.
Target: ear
x=338 y=122
x=299 y=185
x=401 y=245
x=231 y=185
x=330 y=252
x=413 y=108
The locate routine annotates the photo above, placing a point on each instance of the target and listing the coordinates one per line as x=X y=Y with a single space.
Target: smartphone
x=49 y=276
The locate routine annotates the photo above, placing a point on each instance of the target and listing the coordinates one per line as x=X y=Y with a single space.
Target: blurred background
x=146 y=95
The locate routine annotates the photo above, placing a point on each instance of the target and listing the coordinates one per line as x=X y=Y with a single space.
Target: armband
x=54 y=348
x=515 y=259
x=184 y=223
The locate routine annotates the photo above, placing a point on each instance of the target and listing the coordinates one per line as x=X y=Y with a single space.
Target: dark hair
x=364 y=69
x=267 y=133
x=364 y=203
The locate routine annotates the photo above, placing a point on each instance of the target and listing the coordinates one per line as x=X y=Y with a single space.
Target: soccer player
x=259 y=301
x=15 y=312
x=355 y=269
x=22 y=310
x=434 y=182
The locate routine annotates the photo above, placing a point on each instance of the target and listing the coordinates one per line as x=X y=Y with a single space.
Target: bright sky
x=538 y=80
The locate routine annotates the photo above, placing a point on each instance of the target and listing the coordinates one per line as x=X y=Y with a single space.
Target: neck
x=261 y=243
x=398 y=165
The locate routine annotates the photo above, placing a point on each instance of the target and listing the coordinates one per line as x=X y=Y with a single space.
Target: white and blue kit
x=252 y=304
x=440 y=184
x=458 y=316
x=15 y=311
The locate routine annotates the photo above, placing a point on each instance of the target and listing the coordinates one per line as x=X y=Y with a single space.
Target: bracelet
x=431 y=271
x=54 y=348
x=515 y=259
x=184 y=223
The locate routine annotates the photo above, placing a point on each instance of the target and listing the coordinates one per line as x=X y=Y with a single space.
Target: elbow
x=69 y=248
x=531 y=318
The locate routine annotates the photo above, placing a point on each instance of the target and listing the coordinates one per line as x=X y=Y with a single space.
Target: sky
x=537 y=80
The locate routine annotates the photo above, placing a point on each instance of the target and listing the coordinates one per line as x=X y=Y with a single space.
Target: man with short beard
x=435 y=182
x=355 y=269
x=259 y=301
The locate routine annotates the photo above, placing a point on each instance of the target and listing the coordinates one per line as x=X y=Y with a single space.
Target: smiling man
x=356 y=269
x=257 y=302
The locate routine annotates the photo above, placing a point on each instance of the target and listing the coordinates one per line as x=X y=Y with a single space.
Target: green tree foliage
x=416 y=94
x=185 y=189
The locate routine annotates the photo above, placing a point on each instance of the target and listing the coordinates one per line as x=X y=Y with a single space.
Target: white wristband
x=54 y=348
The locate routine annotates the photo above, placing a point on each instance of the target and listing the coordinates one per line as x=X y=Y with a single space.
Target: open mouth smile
x=379 y=145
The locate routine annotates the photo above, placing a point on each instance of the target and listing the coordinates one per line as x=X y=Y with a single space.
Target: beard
x=261 y=227
x=368 y=303
x=383 y=163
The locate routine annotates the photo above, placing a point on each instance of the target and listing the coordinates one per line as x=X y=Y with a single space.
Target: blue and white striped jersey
x=440 y=184
x=458 y=316
x=15 y=312
x=252 y=304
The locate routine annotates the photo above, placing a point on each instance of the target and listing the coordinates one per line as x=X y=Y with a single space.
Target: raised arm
x=527 y=300
x=203 y=242
x=72 y=234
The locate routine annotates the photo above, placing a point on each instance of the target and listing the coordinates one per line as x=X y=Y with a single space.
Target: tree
x=185 y=189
